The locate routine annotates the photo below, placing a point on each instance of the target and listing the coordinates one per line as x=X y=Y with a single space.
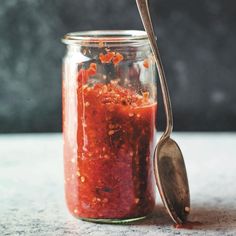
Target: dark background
x=197 y=39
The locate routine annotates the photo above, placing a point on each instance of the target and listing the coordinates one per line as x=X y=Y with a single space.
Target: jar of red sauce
x=109 y=125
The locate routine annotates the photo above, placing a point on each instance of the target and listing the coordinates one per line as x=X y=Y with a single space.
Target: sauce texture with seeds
x=112 y=128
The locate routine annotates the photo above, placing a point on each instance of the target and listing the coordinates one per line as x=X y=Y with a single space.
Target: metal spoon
x=169 y=167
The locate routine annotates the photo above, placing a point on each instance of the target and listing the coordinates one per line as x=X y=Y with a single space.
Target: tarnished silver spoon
x=169 y=166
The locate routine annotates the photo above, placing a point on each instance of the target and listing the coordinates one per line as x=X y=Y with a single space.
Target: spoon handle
x=143 y=7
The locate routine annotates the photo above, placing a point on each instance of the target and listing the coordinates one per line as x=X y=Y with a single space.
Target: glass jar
x=109 y=113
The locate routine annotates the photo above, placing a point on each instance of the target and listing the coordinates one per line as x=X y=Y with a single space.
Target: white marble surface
x=32 y=198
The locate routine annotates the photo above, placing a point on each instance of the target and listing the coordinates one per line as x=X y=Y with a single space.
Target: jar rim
x=106 y=36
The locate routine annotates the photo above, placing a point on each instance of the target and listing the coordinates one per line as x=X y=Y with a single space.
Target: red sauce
x=188 y=225
x=116 y=58
x=84 y=74
x=145 y=63
x=108 y=146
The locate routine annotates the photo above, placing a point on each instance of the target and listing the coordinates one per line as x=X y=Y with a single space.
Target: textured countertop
x=32 y=198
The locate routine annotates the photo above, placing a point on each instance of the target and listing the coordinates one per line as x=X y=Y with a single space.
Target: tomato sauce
x=188 y=225
x=108 y=146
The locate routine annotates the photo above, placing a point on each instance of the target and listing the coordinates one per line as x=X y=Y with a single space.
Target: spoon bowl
x=172 y=180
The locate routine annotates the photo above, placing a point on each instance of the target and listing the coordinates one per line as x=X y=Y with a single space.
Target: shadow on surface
x=211 y=218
